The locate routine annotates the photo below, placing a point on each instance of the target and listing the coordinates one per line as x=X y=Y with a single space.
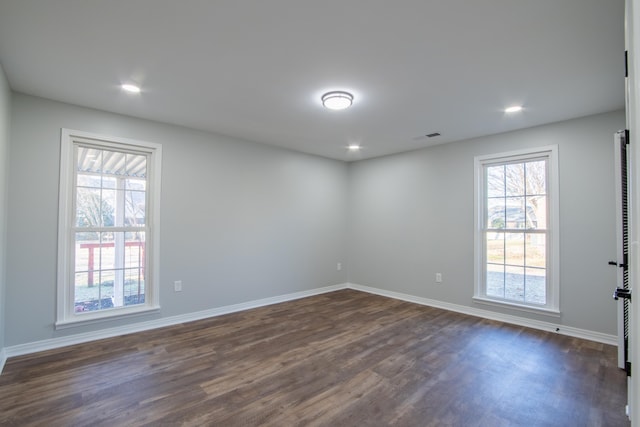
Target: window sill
x=553 y=312
x=106 y=315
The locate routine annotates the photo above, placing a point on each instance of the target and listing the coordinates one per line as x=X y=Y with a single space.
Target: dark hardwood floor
x=345 y=358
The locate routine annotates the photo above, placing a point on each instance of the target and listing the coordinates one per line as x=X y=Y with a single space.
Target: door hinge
x=626 y=63
x=627 y=368
x=622 y=293
x=627 y=139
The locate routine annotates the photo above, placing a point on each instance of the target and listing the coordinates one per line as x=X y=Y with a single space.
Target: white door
x=622 y=291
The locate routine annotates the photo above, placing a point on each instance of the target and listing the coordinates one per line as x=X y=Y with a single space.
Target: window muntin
x=516 y=247
x=108 y=227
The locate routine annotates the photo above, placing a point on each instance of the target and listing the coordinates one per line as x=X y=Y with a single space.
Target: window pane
x=136 y=165
x=496 y=213
x=536 y=178
x=81 y=280
x=109 y=269
x=535 y=249
x=495 y=247
x=107 y=257
x=106 y=290
x=135 y=184
x=515 y=212
x=134 y=286
x=107 y=278
x=495 y=181
x=109 y=213
x=135 y=204
x=514 y=283
x=531 y=212
x=88 y=208
x=514 y=248
x=85 y=255
x=537 y=211
x=88 y=159
x=108 y=182
x=514 y=175
x=83 y=293
x=92 y=297
x=113 y=162
x=85 y=180
x=495 y=280
x=93 y=161
x=535 y=286
x=134 y=250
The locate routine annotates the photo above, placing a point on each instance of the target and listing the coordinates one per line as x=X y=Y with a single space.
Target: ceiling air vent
x=429 y=135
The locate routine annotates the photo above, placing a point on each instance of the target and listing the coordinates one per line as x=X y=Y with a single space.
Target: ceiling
x=256 y=69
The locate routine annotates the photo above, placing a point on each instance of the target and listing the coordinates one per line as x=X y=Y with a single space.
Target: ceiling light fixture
x=513 y=109
x=353 y=147
x=337 y=100
x=130 y=88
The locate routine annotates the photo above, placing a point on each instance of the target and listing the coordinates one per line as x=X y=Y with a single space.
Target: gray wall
x=242 y=221
x=239 y=221
x=411 y=215
x=5 y=114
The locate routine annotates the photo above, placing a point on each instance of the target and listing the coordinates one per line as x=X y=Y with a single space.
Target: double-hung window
x=108 y=227
x=516 y=244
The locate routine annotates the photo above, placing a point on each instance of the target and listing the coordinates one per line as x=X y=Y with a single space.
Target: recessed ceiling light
x=353 y=147
x=130 y=88
x=513 y=109
x=337 y=100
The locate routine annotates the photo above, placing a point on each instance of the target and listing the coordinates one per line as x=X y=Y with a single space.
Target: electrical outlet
x=438 y=277
x=177 y=286
x=339 y=266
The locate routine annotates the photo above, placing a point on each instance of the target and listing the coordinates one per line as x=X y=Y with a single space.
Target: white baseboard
x=52 y=343
x=491 y=315
x=3 y=359
x=48 y=344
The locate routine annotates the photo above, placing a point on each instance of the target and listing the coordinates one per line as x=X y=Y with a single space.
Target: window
x=516 y=221
x=108 y=227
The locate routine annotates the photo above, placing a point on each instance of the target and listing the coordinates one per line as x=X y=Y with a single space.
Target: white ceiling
x=256 y=69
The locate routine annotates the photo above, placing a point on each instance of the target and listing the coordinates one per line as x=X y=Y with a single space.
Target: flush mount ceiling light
x=513 y=109
x=130 y=88
x=353 y=147
x=337 y=100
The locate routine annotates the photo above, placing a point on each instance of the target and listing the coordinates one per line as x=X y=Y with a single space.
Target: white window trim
x=65 y=314
x=552 y=308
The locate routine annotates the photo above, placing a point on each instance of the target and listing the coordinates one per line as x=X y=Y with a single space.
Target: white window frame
x=552 y=307
x=65 y=314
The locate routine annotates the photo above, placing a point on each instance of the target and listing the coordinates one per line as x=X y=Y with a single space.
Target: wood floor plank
x=345 y=358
